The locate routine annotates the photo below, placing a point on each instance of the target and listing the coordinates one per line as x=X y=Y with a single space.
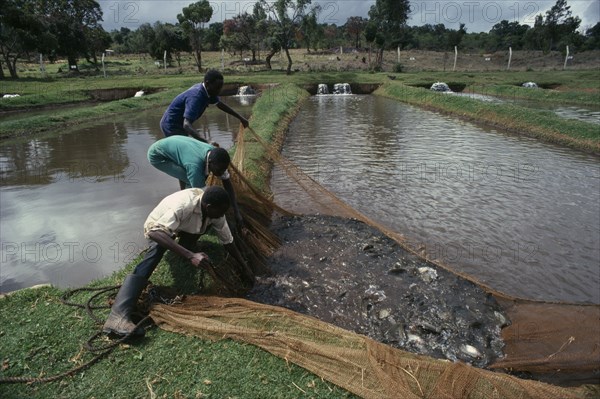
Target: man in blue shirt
x=191 y=161
x=188 y=106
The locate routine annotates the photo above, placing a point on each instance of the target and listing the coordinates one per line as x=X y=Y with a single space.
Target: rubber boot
x=119 y=320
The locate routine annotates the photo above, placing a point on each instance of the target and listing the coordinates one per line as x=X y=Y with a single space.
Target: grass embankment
x=270 y=117
x=541 y=124
x=82 y=92
x=39 y=336
x=566 y=88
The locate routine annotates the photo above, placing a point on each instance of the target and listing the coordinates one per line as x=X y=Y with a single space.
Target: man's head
x=218 y=161
x=213 y=81
x=215 y=202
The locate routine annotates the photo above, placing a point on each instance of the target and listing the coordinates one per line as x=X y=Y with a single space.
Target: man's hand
x=200 y=259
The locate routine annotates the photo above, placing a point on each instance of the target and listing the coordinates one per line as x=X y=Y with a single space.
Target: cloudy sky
x=479 y=16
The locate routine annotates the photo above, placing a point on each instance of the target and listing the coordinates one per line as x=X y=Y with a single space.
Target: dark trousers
x=155 y=253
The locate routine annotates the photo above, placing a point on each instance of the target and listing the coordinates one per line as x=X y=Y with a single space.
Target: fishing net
x=543 y=339
x=359 y=364
x=554 y=342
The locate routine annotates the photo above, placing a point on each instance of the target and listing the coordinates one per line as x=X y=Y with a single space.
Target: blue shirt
x=188 y=105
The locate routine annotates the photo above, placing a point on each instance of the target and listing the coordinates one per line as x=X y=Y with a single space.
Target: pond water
x=517 y=214
x=72 y=205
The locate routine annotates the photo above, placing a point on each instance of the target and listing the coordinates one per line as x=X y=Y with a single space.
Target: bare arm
x=226 y=108
x=166 y=241
x=189 y=129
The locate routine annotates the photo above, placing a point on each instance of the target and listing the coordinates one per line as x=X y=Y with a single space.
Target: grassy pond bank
x=40 y=336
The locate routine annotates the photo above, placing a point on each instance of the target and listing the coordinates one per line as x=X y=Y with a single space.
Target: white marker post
x=165 y=61
x=398 y=54
x=103 y=68
x=566 y=58
x=455 y=57
x=509 y=58
x=42 y=67
x=222 y=59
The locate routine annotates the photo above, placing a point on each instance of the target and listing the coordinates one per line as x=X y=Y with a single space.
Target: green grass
x=59 y=120
x=270 y=117
x=39 y=336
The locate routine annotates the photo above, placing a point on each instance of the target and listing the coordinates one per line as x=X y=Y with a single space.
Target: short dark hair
x=216 y=196
x=219 y=156
x=213 y=75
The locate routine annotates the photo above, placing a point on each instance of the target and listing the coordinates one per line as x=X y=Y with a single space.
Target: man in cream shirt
x=188 y=214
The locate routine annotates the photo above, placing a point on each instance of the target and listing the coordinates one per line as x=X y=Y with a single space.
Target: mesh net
x=544 y=339
x=558 y=342
x=357 y=363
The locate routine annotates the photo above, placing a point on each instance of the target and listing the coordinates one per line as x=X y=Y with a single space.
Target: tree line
x=72 y=29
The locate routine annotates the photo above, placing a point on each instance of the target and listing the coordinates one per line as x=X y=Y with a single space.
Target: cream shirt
x=181 y=211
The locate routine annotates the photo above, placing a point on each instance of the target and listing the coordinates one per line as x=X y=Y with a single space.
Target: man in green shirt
x=191 y=161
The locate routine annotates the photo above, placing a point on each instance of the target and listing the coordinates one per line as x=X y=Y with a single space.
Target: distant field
x=75 y=98
x=333 y=60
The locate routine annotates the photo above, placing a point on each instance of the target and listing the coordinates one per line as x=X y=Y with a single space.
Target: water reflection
x=519 y=215
x=82 y=155
x=72 y=205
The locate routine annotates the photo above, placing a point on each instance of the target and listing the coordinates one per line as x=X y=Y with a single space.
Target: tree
x=143 y=40
x=355 y=27
x=16 y=35
x=241 y=33
x=310 y=31
x=560 y=23
x=386 y=19
x=192 y=19
x=169 y=38
x=213 y=35
x=287 y=16
x=454 y=37
x=557 y=29
x=330 y=36
x=74 y=23
x=120 y=36
x=534 y=38
x=20 y=33
x=427 y=37
x=268 y=29
x=592 y=37
x=97 y=40
x=508 y=34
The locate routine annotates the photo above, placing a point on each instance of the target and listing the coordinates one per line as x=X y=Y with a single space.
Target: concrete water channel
x=519 y=215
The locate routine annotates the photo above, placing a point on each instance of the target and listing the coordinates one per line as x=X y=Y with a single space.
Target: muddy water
x=519 y=215
x=72 y=205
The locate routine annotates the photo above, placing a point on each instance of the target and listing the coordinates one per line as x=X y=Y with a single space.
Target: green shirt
x=188 y=153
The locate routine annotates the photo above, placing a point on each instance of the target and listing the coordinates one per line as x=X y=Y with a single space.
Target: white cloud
x=477 y=15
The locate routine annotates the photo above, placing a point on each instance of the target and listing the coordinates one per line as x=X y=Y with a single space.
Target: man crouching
x=187 y=213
